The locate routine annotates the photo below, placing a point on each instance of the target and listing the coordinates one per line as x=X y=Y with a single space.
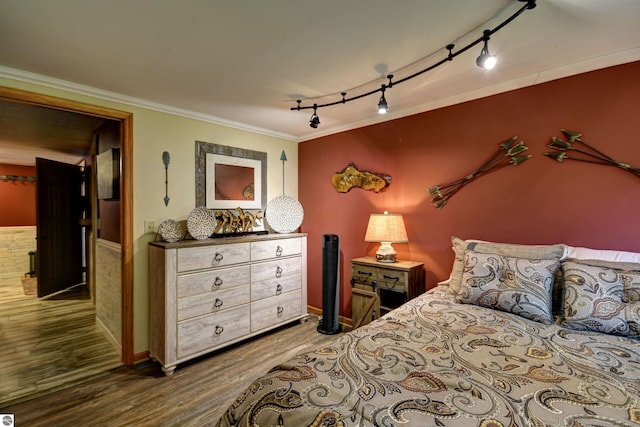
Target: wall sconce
x=386 y=228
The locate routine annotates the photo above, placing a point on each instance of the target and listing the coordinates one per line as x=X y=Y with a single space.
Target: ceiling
x=244 y=63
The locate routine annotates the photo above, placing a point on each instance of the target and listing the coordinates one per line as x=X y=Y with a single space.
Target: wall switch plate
x=149 y=226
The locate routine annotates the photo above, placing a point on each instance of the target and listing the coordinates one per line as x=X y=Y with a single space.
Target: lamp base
x=386 y=258
x=386 y=253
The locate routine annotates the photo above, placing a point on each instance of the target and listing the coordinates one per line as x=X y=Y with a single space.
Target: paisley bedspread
x=433 y=362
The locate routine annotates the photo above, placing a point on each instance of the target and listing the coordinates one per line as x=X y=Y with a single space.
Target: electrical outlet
x=149 y=226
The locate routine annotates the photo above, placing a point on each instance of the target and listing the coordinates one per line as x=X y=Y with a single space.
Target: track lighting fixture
x=382 y=104
x=485 y=60
x=315 y=120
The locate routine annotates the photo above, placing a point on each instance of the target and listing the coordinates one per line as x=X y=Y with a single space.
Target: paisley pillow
x=517 y=285
x=601 y=299
x=532 y=252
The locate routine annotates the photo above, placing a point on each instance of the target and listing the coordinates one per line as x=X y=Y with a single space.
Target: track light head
x=382 y=104
x=315 y=120
x=486 y=60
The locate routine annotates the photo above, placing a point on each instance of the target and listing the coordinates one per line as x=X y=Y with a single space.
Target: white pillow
x=601 y=254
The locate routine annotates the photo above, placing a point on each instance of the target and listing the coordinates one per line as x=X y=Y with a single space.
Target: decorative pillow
x=601 y=299
x=533 y=252
x=517 y=285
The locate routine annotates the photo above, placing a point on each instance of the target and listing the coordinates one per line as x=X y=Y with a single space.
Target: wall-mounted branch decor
x=507 y=154
x=593 y=155
x=350 y=177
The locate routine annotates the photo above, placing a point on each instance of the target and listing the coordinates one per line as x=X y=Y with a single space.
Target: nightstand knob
x=278 y=271
x=280 y=311
x=218 y=257
x=218 y=330
x=279 y=250
x=217 y=303
x=278 y=289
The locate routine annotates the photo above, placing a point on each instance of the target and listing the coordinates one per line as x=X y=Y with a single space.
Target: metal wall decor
x=507 y=154
x=589 y=155
x=19 y=178
x=166 y=159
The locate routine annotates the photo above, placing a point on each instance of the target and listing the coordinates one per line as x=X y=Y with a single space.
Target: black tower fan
x=330 y=285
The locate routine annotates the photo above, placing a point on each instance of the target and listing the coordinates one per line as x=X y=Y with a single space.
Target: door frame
x=126 y=195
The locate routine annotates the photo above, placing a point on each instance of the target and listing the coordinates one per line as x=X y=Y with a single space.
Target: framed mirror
x=230 y=177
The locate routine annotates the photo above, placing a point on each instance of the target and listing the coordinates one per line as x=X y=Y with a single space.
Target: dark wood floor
x=195 y=395
x=47 y=344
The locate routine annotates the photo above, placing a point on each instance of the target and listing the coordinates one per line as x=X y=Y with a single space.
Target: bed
x=518 y=336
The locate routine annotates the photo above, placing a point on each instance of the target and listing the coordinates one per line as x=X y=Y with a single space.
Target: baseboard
x=109 y=335
x=346 y=322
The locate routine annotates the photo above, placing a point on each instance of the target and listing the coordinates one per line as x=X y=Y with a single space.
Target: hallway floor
x=49 y=344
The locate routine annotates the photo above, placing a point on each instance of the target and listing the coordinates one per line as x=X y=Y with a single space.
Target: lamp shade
x=386 y=228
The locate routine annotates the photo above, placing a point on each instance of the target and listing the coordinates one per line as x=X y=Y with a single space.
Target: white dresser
x=207 y=294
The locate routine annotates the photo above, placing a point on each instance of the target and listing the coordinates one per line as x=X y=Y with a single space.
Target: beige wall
x=15 y=245
x=153 y=133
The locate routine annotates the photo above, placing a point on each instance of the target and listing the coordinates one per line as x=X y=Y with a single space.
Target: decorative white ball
x=284 y=214
x=170 y=230
x=201 y=223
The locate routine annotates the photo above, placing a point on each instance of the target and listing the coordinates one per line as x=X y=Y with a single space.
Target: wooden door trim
x=126 y=183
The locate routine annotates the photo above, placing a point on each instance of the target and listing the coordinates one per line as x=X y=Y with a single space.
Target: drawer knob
x=278 y=272
x=278 y=289
x=218 y=257
x=279 y=250
x=216 y=283
x=280 y=310
x=218 y=330
x=217 y=303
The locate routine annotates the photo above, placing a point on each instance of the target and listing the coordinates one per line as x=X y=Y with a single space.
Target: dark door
x=59 y=235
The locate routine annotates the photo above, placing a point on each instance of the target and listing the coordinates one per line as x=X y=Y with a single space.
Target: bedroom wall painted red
x=18 y=198
x=538 y=202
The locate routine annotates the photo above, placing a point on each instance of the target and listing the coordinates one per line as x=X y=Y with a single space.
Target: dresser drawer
x=275 y=248
x=212 y=302
x=210 y=281
x=204 y=333
x=271 y=311
x=273 y=287
x=202 y=257
x=275 y=269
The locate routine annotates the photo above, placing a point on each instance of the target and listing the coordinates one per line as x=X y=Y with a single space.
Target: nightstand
x=378 y=287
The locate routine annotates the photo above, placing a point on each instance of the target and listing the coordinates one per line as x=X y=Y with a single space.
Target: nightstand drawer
x=202 y=257
x=392 y=279
x=365 y=274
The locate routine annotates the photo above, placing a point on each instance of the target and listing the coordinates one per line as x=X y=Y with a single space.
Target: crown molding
x=39 y=79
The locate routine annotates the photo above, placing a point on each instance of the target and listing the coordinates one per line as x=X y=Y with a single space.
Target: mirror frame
x=206 y=153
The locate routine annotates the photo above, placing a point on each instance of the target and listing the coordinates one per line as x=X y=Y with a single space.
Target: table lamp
x=386 y=228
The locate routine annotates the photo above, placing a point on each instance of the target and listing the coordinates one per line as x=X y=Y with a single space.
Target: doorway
x=126 y=188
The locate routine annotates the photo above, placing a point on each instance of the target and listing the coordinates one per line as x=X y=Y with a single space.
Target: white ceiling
x=245 y=62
